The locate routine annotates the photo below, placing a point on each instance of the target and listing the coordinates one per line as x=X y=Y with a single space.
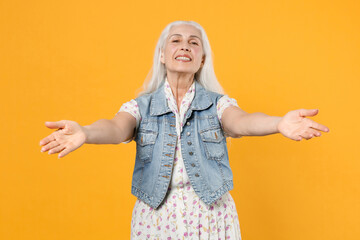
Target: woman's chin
x=182 y=70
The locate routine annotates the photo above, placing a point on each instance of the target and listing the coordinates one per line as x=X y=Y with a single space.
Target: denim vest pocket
x=145 y=145
x=213 y=145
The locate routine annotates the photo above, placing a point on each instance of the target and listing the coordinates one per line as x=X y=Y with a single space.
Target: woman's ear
x=202 y=61
x=162 y=56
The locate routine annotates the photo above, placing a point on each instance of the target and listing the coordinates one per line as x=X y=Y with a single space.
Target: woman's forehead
x=184 y=30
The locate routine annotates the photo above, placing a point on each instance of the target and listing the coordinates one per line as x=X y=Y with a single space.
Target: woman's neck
x=179 y=84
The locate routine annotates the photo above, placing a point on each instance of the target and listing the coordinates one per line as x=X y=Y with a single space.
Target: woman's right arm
x=111 y=131
x=70 y=135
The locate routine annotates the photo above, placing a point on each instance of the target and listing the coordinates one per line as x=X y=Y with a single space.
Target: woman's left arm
x=293 y=125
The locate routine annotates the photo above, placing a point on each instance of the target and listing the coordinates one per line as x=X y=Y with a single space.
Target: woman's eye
x=175 y=40
x=194 y=43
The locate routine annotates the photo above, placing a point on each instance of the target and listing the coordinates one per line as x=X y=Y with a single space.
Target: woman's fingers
x=315 y=133
x=54 y=125
x=57 y=149
x=47 y=139
x=318 y=126
x=65 y=152
x=308 y=112
x=310 y=133
x=49 y=146
x=306 y=135
x=311 y=123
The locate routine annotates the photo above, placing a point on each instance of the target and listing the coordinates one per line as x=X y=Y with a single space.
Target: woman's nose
x=185 y=48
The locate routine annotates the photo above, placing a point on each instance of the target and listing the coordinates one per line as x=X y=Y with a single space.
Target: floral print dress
x=183 y=215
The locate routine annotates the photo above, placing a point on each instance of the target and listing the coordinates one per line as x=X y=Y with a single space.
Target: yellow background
x=80 y=60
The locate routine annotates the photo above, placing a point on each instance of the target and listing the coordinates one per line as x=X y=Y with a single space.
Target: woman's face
x=183 y=51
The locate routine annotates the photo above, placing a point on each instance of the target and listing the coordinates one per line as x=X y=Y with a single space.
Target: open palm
x=296 y=126
x=69 y=136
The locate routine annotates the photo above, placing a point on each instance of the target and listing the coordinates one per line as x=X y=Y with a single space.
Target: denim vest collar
x=159 y=106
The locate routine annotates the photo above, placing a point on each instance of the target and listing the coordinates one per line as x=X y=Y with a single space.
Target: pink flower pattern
x=183 y=215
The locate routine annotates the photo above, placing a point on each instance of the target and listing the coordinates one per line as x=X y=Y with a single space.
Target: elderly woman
x=180 y=122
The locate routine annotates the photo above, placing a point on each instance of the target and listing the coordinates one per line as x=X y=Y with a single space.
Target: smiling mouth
x=183 y=59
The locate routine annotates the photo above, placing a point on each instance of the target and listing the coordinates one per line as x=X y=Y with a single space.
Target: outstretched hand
x=296 y=126
x=68 y=137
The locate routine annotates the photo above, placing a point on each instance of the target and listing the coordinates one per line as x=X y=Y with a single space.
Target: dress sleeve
x=132 y=108
x=224 y=102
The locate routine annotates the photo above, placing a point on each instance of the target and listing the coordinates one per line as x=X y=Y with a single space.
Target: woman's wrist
x=277 y=121
x=86 y=130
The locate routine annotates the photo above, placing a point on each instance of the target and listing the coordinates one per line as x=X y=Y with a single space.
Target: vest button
x=196 y=175
x=191 y=153
x=193 y=164
x=188 y=133
x=189 y=143
x=188 y=123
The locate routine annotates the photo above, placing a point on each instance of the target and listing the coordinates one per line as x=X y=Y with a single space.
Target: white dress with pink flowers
x=183 y=215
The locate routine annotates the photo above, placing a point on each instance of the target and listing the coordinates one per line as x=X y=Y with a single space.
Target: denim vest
x=203 y=147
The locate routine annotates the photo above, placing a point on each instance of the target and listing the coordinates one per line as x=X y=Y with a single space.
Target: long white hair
x=205 y=75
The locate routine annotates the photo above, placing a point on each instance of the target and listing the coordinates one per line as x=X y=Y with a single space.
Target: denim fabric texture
x=203 y=147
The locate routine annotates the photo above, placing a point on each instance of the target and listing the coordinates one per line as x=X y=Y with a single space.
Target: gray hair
x=205 y=75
